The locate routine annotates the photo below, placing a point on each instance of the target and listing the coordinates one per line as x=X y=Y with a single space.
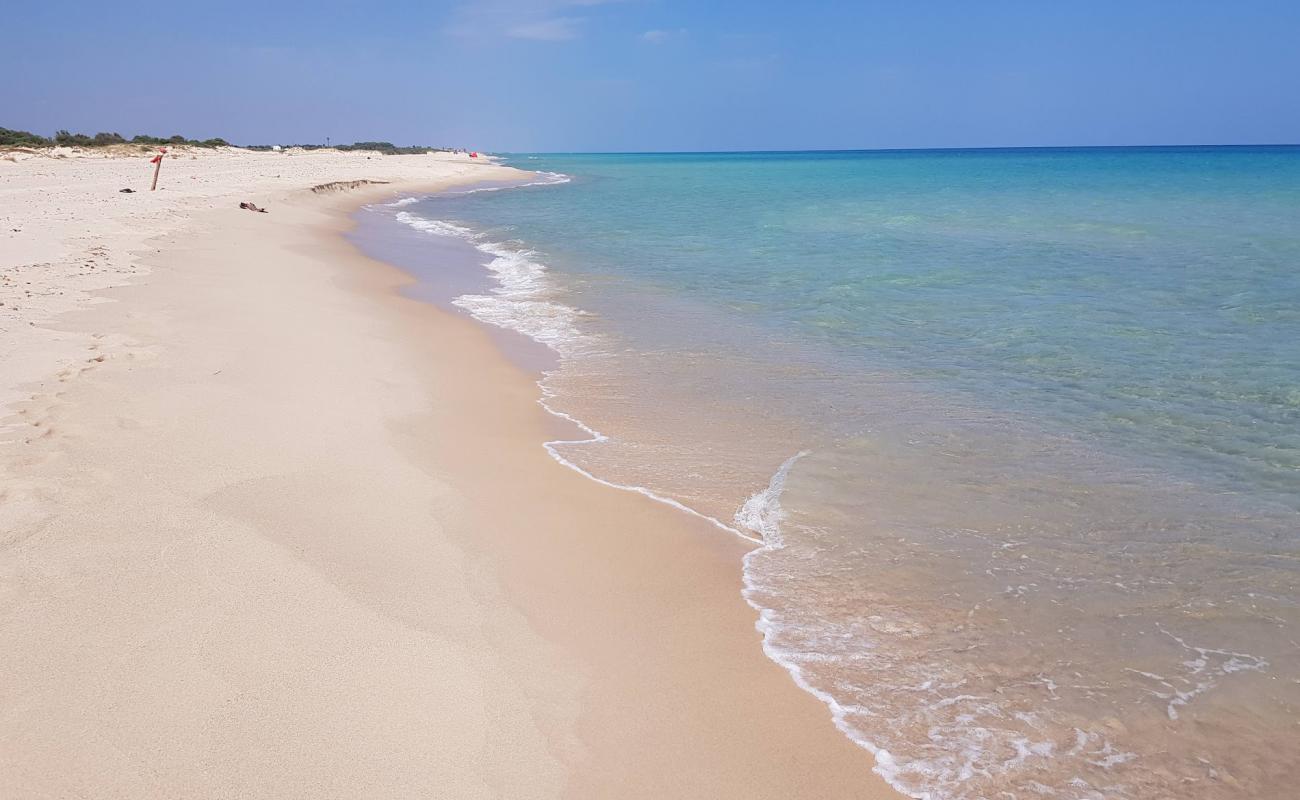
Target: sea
x=1014 y=434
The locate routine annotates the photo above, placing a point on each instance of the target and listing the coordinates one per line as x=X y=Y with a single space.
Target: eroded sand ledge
x=271 y=530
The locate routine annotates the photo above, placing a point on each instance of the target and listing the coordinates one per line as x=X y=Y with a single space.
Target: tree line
x=12 y=138
x=68 y=139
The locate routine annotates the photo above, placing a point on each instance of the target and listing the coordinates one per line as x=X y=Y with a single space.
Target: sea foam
x=763 y=514
x=519 y=301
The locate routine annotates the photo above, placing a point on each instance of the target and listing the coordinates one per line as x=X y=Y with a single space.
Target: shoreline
x=382 y=240
x=529 y=354
x=503 y=339
x=263 y=551
x=963 y=588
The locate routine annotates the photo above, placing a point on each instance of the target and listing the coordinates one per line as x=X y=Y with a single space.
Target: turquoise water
x=1039 y=412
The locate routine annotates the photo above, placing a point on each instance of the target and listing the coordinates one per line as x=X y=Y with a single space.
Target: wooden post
x=157 y=167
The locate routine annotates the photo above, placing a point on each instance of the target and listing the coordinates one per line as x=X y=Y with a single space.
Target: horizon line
x=892 y=149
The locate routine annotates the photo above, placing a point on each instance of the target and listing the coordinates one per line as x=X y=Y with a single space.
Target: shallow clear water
x=1039 y=411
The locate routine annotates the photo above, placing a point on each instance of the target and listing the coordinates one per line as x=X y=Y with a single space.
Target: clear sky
x=570 y=75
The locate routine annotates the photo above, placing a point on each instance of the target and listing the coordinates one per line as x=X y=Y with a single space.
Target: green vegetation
x=10 y=138
x=178 y=139
x=67 y=139
x=387 y=148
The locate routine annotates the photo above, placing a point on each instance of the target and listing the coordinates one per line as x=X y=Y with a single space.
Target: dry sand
x=269 y=529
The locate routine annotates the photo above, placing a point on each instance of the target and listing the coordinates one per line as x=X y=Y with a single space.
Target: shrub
x=22 y=139
x=101 y=139
x=72 y=139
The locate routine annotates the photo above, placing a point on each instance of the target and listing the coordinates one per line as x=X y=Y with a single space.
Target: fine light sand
x=269 y=529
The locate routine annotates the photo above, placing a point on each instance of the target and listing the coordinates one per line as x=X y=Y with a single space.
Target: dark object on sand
x=252 y=207
x=127 y=191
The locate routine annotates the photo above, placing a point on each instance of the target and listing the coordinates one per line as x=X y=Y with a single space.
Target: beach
x=271 y=528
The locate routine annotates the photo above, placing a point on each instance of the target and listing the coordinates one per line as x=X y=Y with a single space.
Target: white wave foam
x=550 y=179
x=435 y=226
x=519 y=300
x=1202 y=673
x=552 y=324
x=596 y=437
x=405 y=201
x=762 y=513
x=546 y=179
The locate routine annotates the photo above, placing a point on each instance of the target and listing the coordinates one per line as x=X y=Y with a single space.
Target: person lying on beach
x=252 y=207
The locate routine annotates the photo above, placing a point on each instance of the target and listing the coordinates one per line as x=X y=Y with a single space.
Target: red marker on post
x=157 y=162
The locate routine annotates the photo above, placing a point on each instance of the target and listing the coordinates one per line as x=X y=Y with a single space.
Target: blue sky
x=580 y=75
